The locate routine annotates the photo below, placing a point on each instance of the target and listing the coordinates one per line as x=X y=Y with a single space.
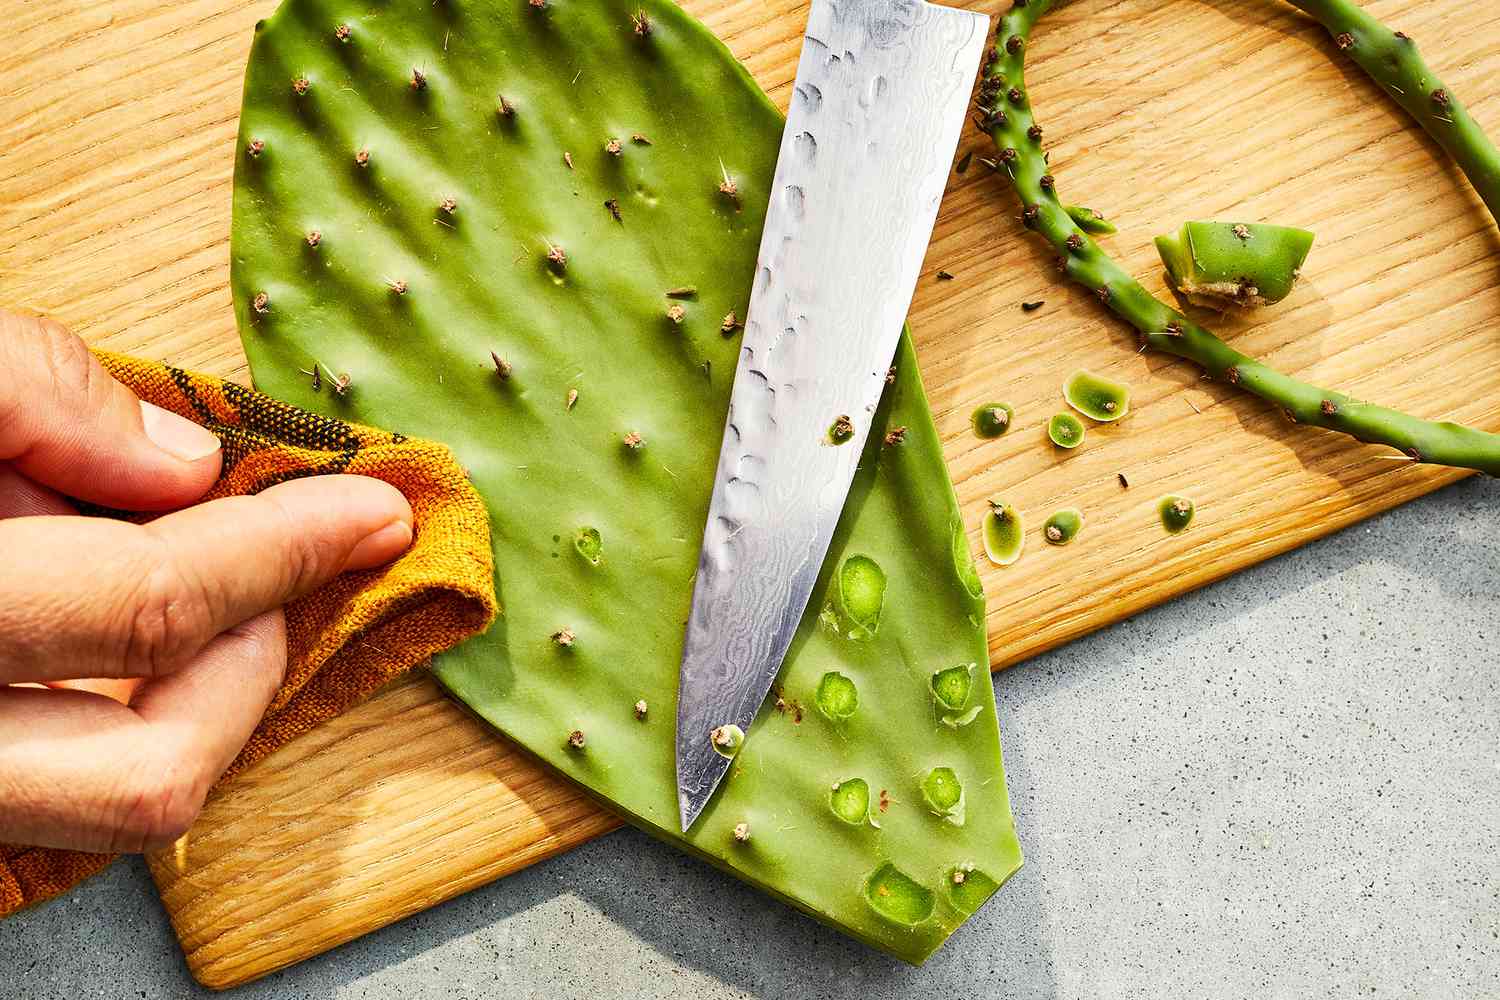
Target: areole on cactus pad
x=529 y=230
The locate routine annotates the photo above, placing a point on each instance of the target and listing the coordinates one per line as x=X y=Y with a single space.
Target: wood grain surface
x=117 y=124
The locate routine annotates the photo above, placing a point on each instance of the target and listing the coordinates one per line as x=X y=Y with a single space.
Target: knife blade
x=880 y=97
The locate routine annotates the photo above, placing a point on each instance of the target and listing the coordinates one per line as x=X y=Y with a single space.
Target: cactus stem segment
x=1442 y=443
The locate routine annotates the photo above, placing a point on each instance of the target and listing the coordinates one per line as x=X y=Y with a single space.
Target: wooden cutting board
x=117 y=124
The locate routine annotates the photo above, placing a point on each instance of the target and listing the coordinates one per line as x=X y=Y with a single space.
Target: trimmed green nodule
x=583 y=317
x=1004 y=533
x=1176 y=513
x=942 y=791
x=1063 y=526
x=897 y=896
x=951 y=686
x=837 y=697
x=862 y=592
x=992 y=419
x=1248 y=265
x=1065 y=430
x=727 y=739
x=1090 y=221
x=1096 y=397
x=850 y=801
x=968 y=887
x=590 y=545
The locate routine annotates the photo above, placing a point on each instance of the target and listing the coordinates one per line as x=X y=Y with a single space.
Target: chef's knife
x=880 y=97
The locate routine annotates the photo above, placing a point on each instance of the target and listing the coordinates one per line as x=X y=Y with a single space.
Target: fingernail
x=380 y=547
x=176 y=435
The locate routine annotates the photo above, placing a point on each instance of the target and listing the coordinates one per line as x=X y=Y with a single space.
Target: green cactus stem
x=1096 y=397
x=992 y=419
x=1063 y=526
x=1391 y=59
x=1234 y=264
x=1066 y=430
x=1004 y=533
x=1176 y=512
x=607 y=415
x=1015 y=133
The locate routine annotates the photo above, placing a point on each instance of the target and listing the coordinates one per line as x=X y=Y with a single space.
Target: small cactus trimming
x=1391 y=59
x=543 y=367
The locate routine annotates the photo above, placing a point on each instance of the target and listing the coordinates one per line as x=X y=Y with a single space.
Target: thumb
x=66 y=423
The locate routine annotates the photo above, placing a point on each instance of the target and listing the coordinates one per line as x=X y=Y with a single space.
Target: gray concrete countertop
x=1286 y=785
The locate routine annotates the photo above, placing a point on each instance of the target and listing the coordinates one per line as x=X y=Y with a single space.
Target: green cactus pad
x=1063 y=526
x=1065 y=430
x=992 y=419
x=1176 y=513
x=1004 y=533
x=1247 y=265
x=536 y=233
x=1096 y=397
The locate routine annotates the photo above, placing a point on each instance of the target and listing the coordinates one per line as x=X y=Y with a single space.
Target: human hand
x=136 y=659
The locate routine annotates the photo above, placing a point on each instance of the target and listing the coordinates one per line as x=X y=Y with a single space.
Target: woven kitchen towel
x=352 y=635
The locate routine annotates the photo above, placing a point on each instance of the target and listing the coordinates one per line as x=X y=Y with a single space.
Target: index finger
x=95 y=598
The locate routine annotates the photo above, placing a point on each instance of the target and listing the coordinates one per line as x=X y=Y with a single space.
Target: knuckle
x=167 y=618
x=69 y=366
x=158 y=803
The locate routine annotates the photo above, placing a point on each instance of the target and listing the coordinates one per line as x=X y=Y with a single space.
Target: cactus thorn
x=339 y=382
x=564 y=637
x=633 y=441
x=842 y=429
x=568 y=159
x=895 y=435
x=301 y=85
x=342 y=32
x=1103 y=292
x=398 y=286
x=731 y=323
x=1075 y=242
x=503 y=368
x=261 y=303
x=1414 y=454
x=448 y=205
x=614 y=208
x=1029 y=215
x=640 y=709
x=640 y=139
x=1328 y=407
x=314 y=238
x=1054 y=534
x=641 y=23
x=362 y=158
x=1015 y=96
x=1047 y=182
x=959 y=877
x=1441 y=99
x=575 y=738
x=418 y=79
x=506 y=108
x=676 y=313
x=1241 y=231
x=741 y=832
x=538 y=4
x=890 y=375
x=255 y=147
x=1034 y=133
x=614 y=148
x=1014 y=44
x=1232 y=375
x=1008 y=155
x=557 y=257
x=570 y=399
x=1344 y=40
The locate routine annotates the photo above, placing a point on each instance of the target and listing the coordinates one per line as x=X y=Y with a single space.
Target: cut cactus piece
x=1097 y=397
x=1176 y=513
x=992 y=419
x=1244 y=265
x=562 y=258
x=1066 y=430
x=1063 y=526
x=1090 y=221
x=1004 y=533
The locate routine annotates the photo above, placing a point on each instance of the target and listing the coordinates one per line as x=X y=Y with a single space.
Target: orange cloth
x=356 y=633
